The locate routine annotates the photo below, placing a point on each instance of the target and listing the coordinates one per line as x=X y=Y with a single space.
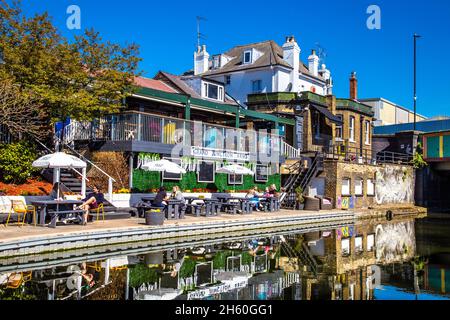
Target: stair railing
x=111 y=180
x=289 y=151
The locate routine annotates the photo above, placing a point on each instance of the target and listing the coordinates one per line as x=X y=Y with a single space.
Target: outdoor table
x=173 y=207
x=244 y=204
x=211 y=207
x=191 y=199
x=273 y=203
x=43 y=206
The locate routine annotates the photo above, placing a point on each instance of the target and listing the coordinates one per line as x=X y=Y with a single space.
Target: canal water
x=404 y=258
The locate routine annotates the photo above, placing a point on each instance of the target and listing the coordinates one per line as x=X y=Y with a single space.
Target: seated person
x=273 y=190
x=161 y=198
x=254 y=198
x=267 y=193
x=92 y=201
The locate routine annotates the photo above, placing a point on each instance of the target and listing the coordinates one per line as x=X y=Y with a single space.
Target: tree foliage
x=81 y=79
x=16 y=162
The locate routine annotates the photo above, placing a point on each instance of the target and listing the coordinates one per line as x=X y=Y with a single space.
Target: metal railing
x=289 y=151
x=138 y=126
x=366 y=156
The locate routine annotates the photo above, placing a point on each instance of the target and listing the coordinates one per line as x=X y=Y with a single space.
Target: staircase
x=300 y=177
x=303 y=255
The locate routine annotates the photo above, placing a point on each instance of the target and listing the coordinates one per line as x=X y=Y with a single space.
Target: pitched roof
x=153 y=84
x=179 y=83
x=272 y=54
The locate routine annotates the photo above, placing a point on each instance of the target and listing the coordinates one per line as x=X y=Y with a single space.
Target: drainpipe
x=237 y=117
x=131 y=167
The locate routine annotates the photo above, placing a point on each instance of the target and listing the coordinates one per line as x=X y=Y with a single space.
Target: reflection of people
x=88 y=277
x=92 y=201
x=254 y=198
x=161 y=198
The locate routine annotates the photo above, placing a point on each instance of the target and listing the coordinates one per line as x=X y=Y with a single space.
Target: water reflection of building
x=345 y=257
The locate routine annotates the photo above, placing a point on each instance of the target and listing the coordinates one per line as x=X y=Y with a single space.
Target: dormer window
x=247 y=56
x=216 y=62
x=213 y=91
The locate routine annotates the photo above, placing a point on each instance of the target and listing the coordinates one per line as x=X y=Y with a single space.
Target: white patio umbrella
x=235 y=170
x=61 y=160
x=163 y=165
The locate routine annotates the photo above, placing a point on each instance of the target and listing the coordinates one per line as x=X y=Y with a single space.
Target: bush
x=16 y=162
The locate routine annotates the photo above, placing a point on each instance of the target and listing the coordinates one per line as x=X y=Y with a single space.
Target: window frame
x=250 y=54
x=228 y=79
x=349 y=186
x=220 y=91
x=367 y=132
x=351 y=129
x=371 y=249
x=347 y=254
x=370 y=194
x=361 y=247
x=259 y=82
x=341 y=129
x=359 y=194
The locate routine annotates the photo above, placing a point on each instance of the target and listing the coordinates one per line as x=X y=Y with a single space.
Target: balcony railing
x=137 y=126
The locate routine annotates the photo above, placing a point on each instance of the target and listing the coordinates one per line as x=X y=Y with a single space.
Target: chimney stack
x=291 y=54
x=353 y=86
x=201 y=60
x=313 y=63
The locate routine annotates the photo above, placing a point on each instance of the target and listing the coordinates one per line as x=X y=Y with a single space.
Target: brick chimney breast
x=353 y=86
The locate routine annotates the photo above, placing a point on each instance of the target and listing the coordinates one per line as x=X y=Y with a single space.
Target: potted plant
x=299 y=199
x=154 y=217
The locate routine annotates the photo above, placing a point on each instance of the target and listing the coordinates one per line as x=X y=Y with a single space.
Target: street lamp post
x=416 y=36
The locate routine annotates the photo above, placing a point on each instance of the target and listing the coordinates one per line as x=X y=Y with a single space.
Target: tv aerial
x=321 y=53
x=200 y=36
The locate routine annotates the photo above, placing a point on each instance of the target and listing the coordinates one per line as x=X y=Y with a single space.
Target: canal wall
x=63 y=241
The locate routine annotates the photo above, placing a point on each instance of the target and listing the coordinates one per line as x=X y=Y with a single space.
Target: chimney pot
x=353 y=86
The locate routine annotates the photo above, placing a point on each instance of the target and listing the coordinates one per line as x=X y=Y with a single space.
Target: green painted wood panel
x=447 y=146
x=433 y=147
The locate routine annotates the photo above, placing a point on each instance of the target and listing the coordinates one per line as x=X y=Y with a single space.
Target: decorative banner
x=200 y=152
x=345 y=232
x=345 y=203
x=352 y=202
x=339 y=202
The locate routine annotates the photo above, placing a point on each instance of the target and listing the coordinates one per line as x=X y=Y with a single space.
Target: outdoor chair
x=101 y=208
x=19 y=207
x=326 y=203
x=312 y=204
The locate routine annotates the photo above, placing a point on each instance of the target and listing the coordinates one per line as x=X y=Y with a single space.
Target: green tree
x=81 y=79
x=16 y=162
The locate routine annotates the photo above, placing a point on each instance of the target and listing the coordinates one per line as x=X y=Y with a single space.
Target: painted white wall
x=241 y=82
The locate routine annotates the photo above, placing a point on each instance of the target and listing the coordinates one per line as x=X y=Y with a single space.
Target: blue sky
x=166 y=32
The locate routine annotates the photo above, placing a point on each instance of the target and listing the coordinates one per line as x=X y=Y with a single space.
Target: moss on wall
x=145 y=181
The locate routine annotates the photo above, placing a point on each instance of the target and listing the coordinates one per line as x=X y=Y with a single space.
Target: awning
x=327 y=113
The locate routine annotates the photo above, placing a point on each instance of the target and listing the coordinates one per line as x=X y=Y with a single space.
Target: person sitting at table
x=273 y=190
x=267 y=193
x=91 y=202
x=177 y=194
x=254 y=198
x=161 y=198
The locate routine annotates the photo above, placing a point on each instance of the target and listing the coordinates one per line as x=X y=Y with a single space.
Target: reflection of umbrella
x=61 y=160
x=235 y=169
x=163 y=165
